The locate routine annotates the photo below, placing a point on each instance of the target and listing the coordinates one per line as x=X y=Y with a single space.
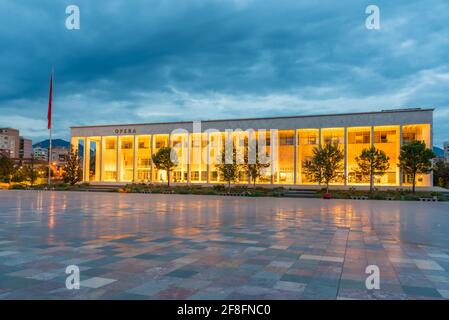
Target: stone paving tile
x=96 y=282
x=187 y=247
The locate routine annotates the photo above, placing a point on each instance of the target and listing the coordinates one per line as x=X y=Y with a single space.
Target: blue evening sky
x=150 y=61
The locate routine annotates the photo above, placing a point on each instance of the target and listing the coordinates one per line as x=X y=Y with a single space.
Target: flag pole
x=50 y=125
x=49 y=161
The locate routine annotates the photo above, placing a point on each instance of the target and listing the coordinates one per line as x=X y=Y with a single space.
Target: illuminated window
x=386 y=139
x=143 y=161
x=126 y=159
x=359 y=138
x=417 y=132
x=284 y=164
x=335 y=135
x=306 y=141
x=109 y=162
x=160 y=141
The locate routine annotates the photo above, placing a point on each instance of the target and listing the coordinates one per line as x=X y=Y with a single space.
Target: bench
x=434 y=198
x=389 y=198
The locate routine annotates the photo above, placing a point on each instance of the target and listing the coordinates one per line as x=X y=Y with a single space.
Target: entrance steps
x=99 y=188
x=300 y=193
x=446 y=194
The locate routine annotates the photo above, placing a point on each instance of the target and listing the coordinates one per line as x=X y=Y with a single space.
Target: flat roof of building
x=264 y=118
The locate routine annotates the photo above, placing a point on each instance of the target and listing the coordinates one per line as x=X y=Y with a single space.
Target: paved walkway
x=135 y=246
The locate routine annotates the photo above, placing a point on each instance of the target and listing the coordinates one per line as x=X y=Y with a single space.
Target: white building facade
x=120 y=154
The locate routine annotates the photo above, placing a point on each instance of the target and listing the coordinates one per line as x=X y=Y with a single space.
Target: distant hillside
x=438 y=151
x=54 y=143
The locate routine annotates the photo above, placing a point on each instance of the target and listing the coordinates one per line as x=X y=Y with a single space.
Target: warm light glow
x=128 y=158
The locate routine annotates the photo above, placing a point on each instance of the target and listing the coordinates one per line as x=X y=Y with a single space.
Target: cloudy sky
x=169 y=60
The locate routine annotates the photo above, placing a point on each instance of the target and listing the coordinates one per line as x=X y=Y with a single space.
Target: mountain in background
x=438 y=151
x=54 y=142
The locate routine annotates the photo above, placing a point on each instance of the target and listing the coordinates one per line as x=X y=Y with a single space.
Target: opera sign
x=125 y=131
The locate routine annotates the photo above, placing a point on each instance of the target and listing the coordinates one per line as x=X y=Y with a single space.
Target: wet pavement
x=140 y=246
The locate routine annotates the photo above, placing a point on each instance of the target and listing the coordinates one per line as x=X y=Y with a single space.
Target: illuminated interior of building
x=126 y=158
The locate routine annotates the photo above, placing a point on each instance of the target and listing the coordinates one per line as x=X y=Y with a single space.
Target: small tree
x=372 y=162
x=229 y=171
x=30 y=172
x=6 y=168
x=325 y=163
x=163 y=160
x=441 y=173
x=415 y=159
x=257 y=168
x=72 y=172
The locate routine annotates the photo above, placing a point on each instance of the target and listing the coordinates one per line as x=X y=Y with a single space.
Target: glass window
x=335 y=135
x=417 y=132
x=359 y=138
x=180 y=144
x=143 y=161
x=126 y=158
x=109 y=159
x=159 y=141
x=284 y=164
x=386 y=139
x=306 y=141
x=198 y=152
x=93 y=158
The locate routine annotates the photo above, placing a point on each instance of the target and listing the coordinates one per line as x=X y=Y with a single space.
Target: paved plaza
x=140 y=246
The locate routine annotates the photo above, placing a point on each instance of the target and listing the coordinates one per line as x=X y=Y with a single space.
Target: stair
x=446 y=195
x=99 y=188
x=298 y=193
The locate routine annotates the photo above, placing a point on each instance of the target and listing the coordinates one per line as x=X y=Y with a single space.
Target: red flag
x=49 y=102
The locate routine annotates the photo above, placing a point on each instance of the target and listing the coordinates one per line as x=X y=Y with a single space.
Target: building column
x=294 y=157
x=189 y=146
x=399 y=152
x=207 y=158
x=135 y=159
x=117 y=152
x=372 y=136
x=85 y=174
x=151 y=157
x=345 y=169
x=431 y=182
x=101 y=158
x=272 y=162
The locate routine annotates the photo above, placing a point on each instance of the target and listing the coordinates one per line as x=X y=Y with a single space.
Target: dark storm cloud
x=170 y=60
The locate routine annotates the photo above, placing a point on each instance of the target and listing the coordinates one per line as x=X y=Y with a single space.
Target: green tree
x=325 y=163
x=441 y=173
x=72 y=172
x=372 y=162
x=255 y=168
x=415 y=159
x=229 y=171
x=30 y=172
x=6 y=168
x=19 y=175
x=165 y=159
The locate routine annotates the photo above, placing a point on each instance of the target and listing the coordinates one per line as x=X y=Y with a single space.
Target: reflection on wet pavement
x=135 y=246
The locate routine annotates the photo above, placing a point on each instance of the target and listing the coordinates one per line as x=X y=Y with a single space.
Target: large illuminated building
x=121 y=154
